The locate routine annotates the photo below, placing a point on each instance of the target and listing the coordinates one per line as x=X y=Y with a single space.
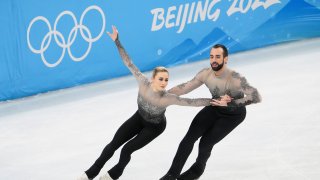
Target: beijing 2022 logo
x=61 y=41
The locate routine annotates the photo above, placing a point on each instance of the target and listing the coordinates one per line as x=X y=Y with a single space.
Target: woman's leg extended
x=145 y=136
x=126 y=131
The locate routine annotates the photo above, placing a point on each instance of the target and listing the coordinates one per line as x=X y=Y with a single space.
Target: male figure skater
x=231 y=93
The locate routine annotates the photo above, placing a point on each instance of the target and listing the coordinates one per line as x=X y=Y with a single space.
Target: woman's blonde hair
x=159 y=69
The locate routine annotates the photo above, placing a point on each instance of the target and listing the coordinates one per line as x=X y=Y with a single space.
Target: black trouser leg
x=145 y=136
x=198 y=126
x=223 y=125
x=127 y=130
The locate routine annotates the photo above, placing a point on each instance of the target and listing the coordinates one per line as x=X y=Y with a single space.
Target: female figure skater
x=146 y=124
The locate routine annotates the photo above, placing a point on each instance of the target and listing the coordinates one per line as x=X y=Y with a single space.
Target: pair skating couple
x=221 y=114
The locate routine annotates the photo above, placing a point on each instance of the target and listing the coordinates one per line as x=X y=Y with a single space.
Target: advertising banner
x=53 y=44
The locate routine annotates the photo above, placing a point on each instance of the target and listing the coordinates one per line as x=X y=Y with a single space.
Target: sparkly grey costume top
x=151 y=104
x=229 y=82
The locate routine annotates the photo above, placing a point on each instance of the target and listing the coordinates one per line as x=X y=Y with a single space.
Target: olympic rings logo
x=71 y=38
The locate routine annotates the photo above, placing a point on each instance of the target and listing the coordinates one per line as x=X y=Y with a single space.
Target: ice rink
x=58 y=135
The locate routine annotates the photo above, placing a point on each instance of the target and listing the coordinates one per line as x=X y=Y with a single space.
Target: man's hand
x=226 y=98
x=223 y=101
x=216 y=102
x=114 y=34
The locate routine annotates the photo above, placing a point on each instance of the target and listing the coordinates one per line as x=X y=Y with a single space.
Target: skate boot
x=105 y=177
x=83 y=177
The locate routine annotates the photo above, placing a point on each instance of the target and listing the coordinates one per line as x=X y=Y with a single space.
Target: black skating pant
x=136 y=133
x=211 y=125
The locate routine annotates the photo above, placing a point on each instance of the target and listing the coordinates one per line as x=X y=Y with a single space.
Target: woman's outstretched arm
x=172 y=99
x=125 y=57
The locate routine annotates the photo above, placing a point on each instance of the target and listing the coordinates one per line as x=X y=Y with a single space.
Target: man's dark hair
x=225 y=50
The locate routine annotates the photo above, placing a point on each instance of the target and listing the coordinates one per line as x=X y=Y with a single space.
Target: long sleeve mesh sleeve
x=187 y=87
x=172 y=99
x=128 y=62
x=251 y=94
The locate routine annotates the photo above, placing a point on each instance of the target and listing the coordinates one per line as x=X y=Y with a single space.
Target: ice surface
x=58 y=135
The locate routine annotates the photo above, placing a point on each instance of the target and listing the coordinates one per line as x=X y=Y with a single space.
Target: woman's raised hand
x=114 y=34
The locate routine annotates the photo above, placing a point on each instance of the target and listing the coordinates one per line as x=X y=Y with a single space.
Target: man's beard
x=217 y=68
